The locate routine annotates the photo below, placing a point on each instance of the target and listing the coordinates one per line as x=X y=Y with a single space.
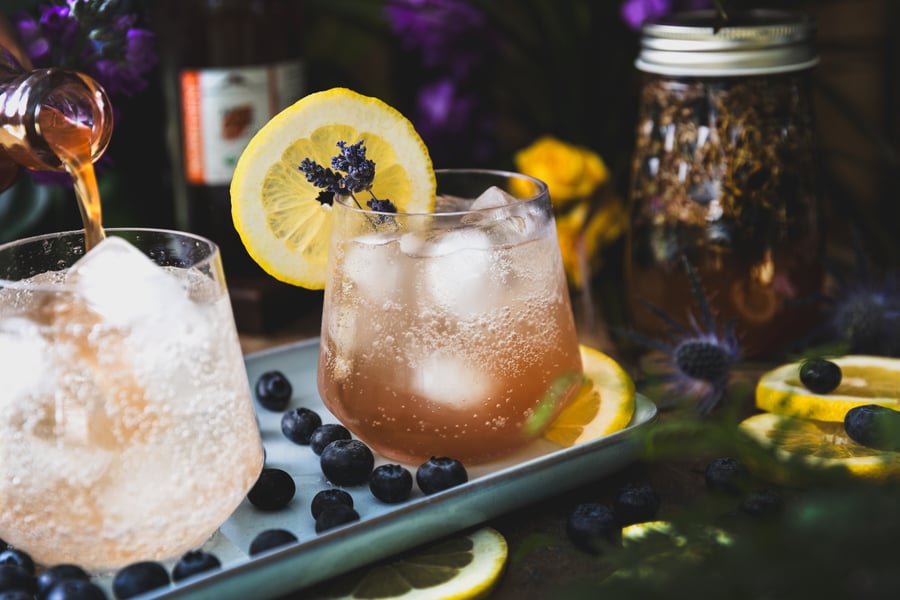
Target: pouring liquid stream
x=71 y=142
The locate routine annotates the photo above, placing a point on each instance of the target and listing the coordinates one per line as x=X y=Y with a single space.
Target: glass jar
x=723 y=176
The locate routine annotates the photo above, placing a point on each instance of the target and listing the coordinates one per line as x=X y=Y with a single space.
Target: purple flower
x=454 y=123
x=637 y=12
x=448 y=34
x=95 y=38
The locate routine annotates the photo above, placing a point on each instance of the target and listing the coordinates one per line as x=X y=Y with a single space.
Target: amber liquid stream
x=72 y=144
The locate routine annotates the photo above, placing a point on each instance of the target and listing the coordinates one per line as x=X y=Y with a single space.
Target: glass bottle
x=32 y=101
x=723 y=176
x=228 y=67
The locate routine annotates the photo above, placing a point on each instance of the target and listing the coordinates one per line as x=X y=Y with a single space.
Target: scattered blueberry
x=273 y=490
x=298 y=424
x=874 y=426
x=325 y=434
x=593 y=526
x=820 y=376
x=20 y=558
x=440 y=473
x=273 y=390
x=14 y=577
x=139 y=577
x=347 y=462
x=193 y=563
x=636 y=504
x=760 y=503
x=75 y=589
x=727 y=475
x=332 y=516
x=269 y=539
x=391 y=483
x=57 y=573
x=329 y=497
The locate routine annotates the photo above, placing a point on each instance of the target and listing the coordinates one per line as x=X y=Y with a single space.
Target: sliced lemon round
x=279 y=215
x=604 y=405
x=797 y=445
x=865 y=380
x=461 y=567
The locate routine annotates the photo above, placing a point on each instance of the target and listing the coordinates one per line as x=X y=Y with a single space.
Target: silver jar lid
x=756 y=42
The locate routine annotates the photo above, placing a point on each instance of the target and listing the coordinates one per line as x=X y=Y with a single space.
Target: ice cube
x=493 y=197
x=459 y=272
x=511 y=221
x=370 y=263
x=124 y=286
x=449 y=379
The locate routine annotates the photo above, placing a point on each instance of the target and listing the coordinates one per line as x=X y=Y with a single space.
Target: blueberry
x=273 y=390
x=391 y=483
x=75 y=589
x=337 y=514
x=820 y=376
x=636 y=504
x=298 y=424
x=329 y=497
x=593 y=526
x=14 y=577
x=761 y=503
x=874 y=426
x=57 y=573
x=347 y=462
x=325 y=434
x=440 y=473
x=139 y=577
x=193 y=563
x=273 y=490
x=20 y=558
x=727 y=475
x=271 y=538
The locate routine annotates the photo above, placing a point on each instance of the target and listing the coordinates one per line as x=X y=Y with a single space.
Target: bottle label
x=223 y=108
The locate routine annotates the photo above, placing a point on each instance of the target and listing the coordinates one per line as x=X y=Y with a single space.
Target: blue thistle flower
x=696 y=361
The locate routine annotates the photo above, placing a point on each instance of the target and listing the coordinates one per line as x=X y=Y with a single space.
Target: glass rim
x=542 y=190
x=63 y=287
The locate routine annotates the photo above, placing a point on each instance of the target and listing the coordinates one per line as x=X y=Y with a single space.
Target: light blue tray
x=538 y=471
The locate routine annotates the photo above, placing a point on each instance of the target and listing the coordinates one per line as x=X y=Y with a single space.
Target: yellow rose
x=571 y=172
x=582 y=234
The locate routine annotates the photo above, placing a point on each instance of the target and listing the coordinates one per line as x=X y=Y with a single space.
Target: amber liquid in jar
x=723 y=177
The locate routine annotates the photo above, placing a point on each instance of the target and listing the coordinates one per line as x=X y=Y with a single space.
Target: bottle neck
x=38 y=108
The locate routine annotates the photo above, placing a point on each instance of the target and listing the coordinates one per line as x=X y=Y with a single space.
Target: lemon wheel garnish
x=604 y=405
x=278 y=214
x=459 y=568
x=865 y=380
x=795 y=444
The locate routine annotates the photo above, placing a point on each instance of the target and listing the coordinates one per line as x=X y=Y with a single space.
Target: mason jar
x=723 y=176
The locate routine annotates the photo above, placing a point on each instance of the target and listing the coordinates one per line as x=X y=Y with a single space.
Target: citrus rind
x=865 y=380
x=278 y=214
x=604 y=404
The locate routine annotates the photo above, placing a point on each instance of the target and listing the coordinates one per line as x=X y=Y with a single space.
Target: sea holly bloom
x=695 y=362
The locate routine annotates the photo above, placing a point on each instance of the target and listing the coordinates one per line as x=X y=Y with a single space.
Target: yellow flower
x=571 y=172
x=583 y=233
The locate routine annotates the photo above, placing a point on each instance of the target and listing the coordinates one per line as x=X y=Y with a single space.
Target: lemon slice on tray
x=796 y=444
x=604 y=405
x=281 y=217
x=459 y=568
x=864 y=380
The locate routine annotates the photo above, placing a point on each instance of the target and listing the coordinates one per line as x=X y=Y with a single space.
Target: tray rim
x=263 y=576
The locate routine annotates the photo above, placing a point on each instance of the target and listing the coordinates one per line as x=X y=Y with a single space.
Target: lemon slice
x=278 y=213
x=808 y=443
x=604 y=405
x=461 y=567
x=865 y=380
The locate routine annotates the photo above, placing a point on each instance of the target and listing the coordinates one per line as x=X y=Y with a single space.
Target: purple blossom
x=448 y=34
x=637 y=12
x=94 y=38
x=454 y=123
